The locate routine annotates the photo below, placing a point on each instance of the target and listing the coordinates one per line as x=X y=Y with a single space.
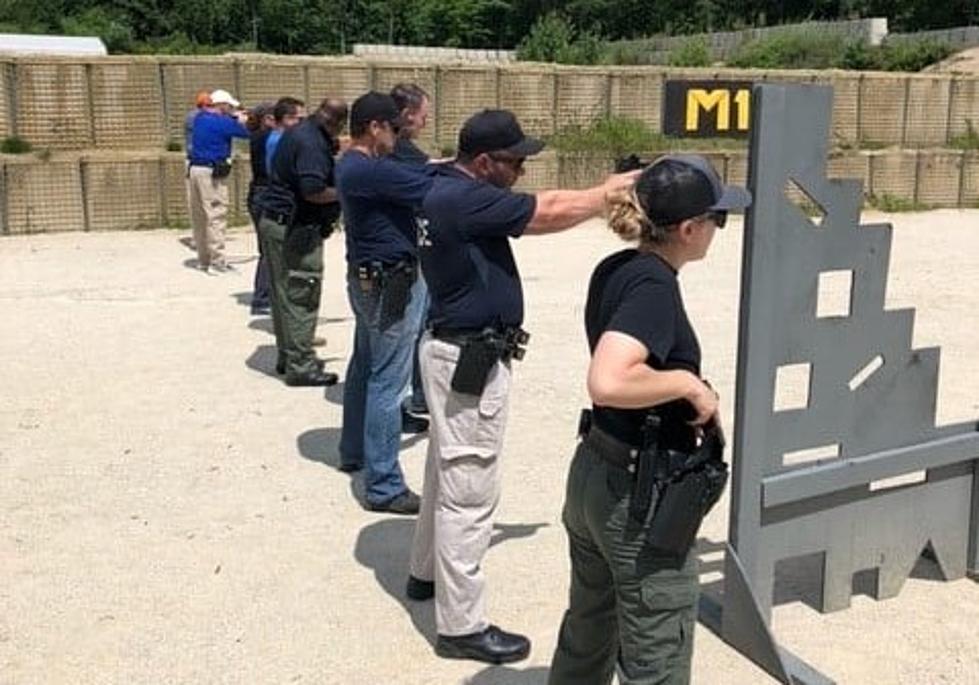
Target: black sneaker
x=407 y=503
x=494 y=646
x=411 y=424
x=419 y=590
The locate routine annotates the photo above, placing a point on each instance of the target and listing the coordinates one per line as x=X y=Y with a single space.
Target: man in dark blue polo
x=299 y=209
x=475 y=318
x=210 y=164
x=380 y=198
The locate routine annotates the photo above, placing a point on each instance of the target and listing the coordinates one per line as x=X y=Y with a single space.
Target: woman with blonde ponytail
x=632 y=604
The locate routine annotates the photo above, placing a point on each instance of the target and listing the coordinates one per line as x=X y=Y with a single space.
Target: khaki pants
x=462 y=488
x=208 y=199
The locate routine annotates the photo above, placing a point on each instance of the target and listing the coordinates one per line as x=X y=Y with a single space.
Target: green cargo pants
x=296 y=277
x=627 y=606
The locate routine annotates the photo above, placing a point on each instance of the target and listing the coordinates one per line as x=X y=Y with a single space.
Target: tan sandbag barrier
x=123 y=190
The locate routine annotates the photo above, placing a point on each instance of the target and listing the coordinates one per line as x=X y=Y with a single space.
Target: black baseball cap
x=672 y=193
x=374 y=106
x=496 y=130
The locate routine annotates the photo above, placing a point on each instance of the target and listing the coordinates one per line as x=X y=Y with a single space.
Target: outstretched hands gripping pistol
x=631 y=163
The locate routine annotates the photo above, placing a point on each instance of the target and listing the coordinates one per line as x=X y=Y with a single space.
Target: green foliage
x=110 y=25
x=549 y=35
x=174 y=146
x=968 y=140
x=792 y=50
x=619 y=136
x=14 y=145
x=913 y=55
x=813 y=50
x=894 y=203
x=693 y=52
x=330 y=26
x=554 y=39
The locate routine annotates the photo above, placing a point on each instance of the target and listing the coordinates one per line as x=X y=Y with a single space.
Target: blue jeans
x=379 y=372
x=416 y=401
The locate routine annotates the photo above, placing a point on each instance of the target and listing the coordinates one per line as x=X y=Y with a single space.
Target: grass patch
x=620 y=136
x=968 y=140
x=14 y=145
x=895 y=203
x=812 y=50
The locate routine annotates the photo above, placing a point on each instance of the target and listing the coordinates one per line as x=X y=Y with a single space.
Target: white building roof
x=19 y=43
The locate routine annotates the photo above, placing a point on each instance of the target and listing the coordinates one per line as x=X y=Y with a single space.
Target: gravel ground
x=171 y=513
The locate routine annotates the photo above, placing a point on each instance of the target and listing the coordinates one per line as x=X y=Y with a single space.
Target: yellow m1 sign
x=707 y=109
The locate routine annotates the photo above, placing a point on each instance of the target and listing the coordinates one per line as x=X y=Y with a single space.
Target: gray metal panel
x=884 y=426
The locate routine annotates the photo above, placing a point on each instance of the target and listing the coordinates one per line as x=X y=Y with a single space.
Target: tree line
x=333 y=26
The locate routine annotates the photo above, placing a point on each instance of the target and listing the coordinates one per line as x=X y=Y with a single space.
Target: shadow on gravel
x=385 y=548
x=322 y=445
x=263 y=360
x=504 y=675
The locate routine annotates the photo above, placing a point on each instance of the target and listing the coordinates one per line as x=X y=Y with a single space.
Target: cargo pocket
x=303 y=289
x=471 y=425
x=665 y=621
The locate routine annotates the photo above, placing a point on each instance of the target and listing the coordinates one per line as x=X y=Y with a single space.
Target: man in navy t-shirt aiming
x=380 y=198
x=474 y=321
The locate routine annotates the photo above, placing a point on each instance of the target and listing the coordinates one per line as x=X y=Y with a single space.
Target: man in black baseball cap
x=474 y=331
x=380 y=198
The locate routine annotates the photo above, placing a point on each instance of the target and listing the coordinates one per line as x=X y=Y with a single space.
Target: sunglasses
x=719 y=218
x=515 y=163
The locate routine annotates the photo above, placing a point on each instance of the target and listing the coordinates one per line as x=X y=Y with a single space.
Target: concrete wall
x=421 y=53
x=112 y=191
x=140 y=102
x=960 y=37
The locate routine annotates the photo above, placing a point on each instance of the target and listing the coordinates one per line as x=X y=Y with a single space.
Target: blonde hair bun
x=625 y=216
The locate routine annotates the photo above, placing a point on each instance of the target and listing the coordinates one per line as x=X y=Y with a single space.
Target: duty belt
x=606 y=446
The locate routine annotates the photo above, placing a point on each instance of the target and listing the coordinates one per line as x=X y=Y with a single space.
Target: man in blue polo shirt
x=379 y=197
x=210 y=164
x=475 y=318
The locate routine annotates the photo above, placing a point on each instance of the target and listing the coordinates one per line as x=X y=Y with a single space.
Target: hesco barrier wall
x=124 y=190
x=140 y=102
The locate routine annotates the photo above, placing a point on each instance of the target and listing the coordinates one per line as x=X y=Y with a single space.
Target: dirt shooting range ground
x=170 y=512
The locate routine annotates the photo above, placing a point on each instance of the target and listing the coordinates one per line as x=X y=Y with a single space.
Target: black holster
x=674 y=490
x=221 y=169
x=479 y=353
x=392 y=286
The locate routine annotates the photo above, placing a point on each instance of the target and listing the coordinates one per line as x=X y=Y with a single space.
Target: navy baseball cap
x=496 y=130
x=374 y=106
x=673 y=194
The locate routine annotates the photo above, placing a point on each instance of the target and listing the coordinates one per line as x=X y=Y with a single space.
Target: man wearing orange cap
x=210 y=165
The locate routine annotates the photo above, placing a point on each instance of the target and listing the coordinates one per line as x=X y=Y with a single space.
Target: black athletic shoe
x=419 y=590
x=313 y=380
x=494 y=646
x=411 y=424
x=407 y=503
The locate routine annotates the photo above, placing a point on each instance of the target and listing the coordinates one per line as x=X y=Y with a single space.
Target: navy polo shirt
x=466 y=256
x=303 y=165
x=380 y=197
x=211 y=137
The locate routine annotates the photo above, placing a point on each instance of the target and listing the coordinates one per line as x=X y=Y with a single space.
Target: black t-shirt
x=256 y=148
x=638 y=294
x=303 y=165
x=465 y=251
